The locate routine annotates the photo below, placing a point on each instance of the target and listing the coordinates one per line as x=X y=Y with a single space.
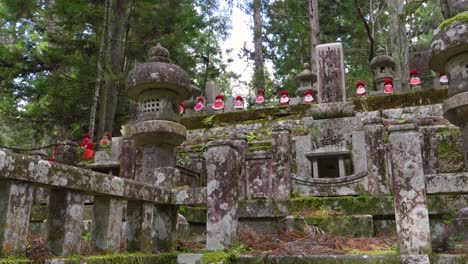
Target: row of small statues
x=218 y=104
x=86 y=150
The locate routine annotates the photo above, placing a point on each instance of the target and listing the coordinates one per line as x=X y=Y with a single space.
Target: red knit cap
x=181 y=103
x=388 y=80
x=90 y=145
x=413 y=72
x=239 y=98
x=219 y=96
x=284 y=92
x=200 y=99
x=261 y=90
x=308 y=92
x=359 y=83
x=86 y=135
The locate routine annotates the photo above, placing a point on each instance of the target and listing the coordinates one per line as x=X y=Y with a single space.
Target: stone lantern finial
x=158 y=54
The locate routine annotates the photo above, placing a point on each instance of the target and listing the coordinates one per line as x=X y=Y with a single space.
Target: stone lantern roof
x=381 y=60
x=448 y=42
x=158 y=73
x=307 y=74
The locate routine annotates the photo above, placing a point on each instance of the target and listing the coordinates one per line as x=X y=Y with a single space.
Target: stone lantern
x=306 y=79
x=158 y=86
x=449 y=51
x=382 y=66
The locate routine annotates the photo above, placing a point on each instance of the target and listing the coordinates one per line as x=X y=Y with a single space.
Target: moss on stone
x=462 y=17
x=450 y=159
x=39 y=212
x=214 y=257
x=133 y=258
x=345 y=204
x=194 y=214
x=417 y=98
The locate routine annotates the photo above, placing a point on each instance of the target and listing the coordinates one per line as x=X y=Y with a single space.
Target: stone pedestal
x=139 y=226
x=411 y=213
x=281 y=163
x=330 y=73
x=15 y=208
x=222 y=172
x=64 y=222
x=107 y=224
x=374 y=133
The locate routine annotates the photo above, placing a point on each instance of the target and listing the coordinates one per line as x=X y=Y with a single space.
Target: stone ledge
x=189 y=196
x=321 y=259
x=338 y=225
x=450 y=183
x=55 y=175
x=260 y=208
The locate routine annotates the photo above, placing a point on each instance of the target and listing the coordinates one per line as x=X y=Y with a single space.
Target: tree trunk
x=259 y=78
x=399 y=44
x=314 y=31
x=114 y=58
x=445 y=7
x=100 y=70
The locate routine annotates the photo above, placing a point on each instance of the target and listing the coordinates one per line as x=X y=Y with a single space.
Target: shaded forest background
x=63 y=63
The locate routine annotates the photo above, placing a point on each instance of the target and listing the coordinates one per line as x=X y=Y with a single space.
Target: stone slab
x=339 y=225
x=52 y=175
x=451 y=183
x=330 y=73
x=262 y=208
x=189 y=196
x=189 y=259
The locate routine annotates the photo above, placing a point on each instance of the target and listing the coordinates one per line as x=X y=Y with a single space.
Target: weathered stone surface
x=411 y=213
x=456 y=109
x=447 y=43
x=332 y=110
x=107 y=224
x=281 y=164
x=355 y=184
x=340 y=225
x=222 y=171
x=258 y=175
x=211 y=90
x=303 y=165
x=465 y=143
x=188 y=196
x=164 y=228
x=53 y=174
x=336 y=131
x=323 y=259
x=330 y=73
x=415 y=259
x=183 y=228
x=447 y=183
x=240 y=143
x=359 y=151
x=64 y=222
x=127 y=159
x=67 y=153
x=379 y=181
x=158 y=132
x=262 y=208
x=139 y=226
x=420 y=60
x=429 y=149
x=15 y=209
x=189 y=259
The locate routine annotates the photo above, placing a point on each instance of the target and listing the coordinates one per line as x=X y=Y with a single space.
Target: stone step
x=339 y=225
x=189 y=259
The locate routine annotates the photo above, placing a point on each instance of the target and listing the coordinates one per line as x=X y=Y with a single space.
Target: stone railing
x=68 y=186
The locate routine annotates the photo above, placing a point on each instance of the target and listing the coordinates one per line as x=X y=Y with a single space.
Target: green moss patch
x=462 y=17
x=344 y=204
x=417 y=98
x=39 y=213
x=450 y=159
x=194 y=214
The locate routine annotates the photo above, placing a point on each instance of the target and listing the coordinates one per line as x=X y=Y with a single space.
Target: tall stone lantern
x=382 y=66
x=158 y=86
x=306 y=79
x=449 y=51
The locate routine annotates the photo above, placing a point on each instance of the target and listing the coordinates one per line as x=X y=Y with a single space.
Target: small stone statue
x=181 y=107
x=360 y=89
x=85 y=141
x=89 y=152
x=260 y=100
x=105 y=143
x=415 y=81
x=443 y=79
x=388 y=86
x=308 y=98
x=199 y=105
x=239 y=104
x=219 y=102
x=284 y=99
